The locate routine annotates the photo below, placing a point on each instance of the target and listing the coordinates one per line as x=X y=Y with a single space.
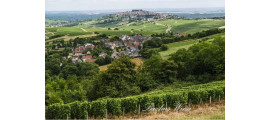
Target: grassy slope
x=173 y=47
x=145 y=28
x=49 y=21
x=192 y=26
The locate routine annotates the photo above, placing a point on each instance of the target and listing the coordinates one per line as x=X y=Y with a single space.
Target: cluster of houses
x=140 y=14
x=130 y=45
x=80 y=54
x=180 y=35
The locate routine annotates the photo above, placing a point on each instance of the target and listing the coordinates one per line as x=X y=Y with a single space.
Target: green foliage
x=130 y=104
x=76 y=111
x=204 y=95
x=57 y=111
x=158 y=100
x=147 y=53
x=172 y=99
x=114 y=106
x=145 y=81
x=164 y=47
x=69 y=69
x=168 y=72
x=194 y=96
x=87 y=69
x=212 y=93
x=53 y=98
x=153 y=66
x=220 y=92
x=104 y=61
x=145 y=101
x=202 y=62
x=98 y=108
x=118 y=80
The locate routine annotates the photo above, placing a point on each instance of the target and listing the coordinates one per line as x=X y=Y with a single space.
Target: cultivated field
x=192 y=26
x=87 y=28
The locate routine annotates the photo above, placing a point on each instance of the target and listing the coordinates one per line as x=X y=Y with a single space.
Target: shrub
x=164 y=47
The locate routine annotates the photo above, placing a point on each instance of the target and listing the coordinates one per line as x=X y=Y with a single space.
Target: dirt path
x=222 y=27
x=84 y=30
x=168 y=27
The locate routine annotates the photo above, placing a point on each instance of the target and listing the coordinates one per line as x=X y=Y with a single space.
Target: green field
x=48 y=21
x=145 y=28
x=192 y=26
x=70 y=31
x=173 y=47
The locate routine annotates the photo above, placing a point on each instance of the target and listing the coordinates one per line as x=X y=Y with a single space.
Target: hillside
x=173 y=47
x=181 y=61
x=145 y=28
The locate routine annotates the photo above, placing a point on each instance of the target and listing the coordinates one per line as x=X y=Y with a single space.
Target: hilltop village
x=136 y=15
x=128 y=45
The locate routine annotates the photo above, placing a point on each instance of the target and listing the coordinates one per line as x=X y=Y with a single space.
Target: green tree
x=168 y=72
x=87 y=69
x=164 y=47
x=69 y=69
x=118 y=81
x=153 y=66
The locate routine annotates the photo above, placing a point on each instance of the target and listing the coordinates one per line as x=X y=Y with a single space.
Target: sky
x=80 y=5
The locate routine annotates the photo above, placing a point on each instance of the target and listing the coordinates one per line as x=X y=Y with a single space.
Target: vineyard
x=135 y=104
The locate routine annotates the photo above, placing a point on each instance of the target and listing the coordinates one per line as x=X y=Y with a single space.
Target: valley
x=117 y=65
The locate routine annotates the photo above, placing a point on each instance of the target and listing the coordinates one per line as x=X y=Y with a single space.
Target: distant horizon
x=148 y=9
x=96 y=5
